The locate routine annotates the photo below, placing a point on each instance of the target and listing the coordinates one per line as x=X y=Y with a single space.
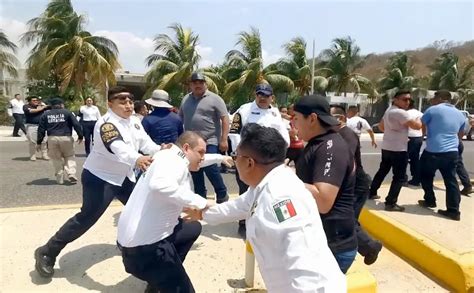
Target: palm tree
x=340 y=63
x=295 y=66
x=68 y=53
x=8 y=61
x=398 y=75
x=245 y=70
x=176 y=60
x=446 y=75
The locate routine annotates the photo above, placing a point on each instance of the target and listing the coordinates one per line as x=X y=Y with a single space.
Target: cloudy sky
x=377 y=26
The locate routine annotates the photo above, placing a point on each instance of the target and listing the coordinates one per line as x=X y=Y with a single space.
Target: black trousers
x=397 y=161
x=161 y=264
x=96 y=197
x=365 y=243
x=414 y=147
x=446 y=163
x=88 y=129
x=461 y=170
x=19 y=124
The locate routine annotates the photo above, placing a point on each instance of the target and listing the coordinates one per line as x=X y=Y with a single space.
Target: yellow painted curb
x=50 y=207
x=454 y=270
x=360 y=280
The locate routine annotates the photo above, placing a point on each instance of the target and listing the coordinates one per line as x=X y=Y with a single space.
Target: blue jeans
x=345 y=259
x=213 y=174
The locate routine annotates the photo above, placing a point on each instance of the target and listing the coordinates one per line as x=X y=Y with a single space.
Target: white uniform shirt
x=119 y=162
x=357 y=124
x=90 y=113
x=414 y=113
x=251 y=113
x=157 y=200
x=16 y=106
x=286 y=233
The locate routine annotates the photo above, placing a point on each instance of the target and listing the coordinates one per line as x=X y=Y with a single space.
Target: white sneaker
x=45 y=157
x=60 y=179
x=33 y=158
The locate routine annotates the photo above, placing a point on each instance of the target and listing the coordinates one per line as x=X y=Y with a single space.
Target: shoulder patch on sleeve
x=236 y=126
x=109 y=133
x=284 y=210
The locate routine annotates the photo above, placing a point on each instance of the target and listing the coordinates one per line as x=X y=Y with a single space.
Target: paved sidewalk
x=456 y=236
x=439 y=246
x=93 y=263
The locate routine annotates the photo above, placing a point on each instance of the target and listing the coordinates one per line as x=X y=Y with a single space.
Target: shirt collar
x=256 y=107
x=179 y=152
x=274 y=172
x=317 y=138
x=118 y=118
x=206 y=93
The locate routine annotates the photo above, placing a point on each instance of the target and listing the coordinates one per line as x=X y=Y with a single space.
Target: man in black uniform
x=58 y=123
x=33 y=111
x=327 y=168
x=367 y=246
x=109 y=172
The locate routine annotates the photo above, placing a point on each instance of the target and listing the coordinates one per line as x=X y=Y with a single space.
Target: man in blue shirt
x=162 y=125
x=444 y=125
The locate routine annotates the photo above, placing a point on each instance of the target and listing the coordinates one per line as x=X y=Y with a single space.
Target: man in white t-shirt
x=395 y=124
x=15 y=110
x=357 y=123
x=415 y=140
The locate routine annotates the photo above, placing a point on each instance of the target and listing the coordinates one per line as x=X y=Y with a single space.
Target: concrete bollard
x=249 y=265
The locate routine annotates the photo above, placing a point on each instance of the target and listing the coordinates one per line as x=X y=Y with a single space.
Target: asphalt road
x=25 y=183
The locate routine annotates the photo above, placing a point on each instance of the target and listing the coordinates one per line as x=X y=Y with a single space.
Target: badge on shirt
x=236 y=126
x=109 y=133
x=137 y=126
x=284 y=210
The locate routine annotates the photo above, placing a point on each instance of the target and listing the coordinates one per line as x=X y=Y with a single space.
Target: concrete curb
x=360 y=280
x=448 y=267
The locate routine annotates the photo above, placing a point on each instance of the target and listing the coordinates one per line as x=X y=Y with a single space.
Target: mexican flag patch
x=284 y=210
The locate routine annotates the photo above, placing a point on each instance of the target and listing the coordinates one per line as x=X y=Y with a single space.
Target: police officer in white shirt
x=89 y=115
x=357 y=123
x=15 y=110
x=283 y=223
x=259 y=111
x=153 y=240
x=108 y=173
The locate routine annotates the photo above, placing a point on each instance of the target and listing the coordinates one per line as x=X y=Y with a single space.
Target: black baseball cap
x=197 y=76
x=264 y=88
x=316 y=104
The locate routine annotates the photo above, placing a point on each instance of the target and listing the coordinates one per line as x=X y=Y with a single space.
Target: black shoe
x=394 y=208
x=374 y=196
x=426 y=204
x=44 y=264
x=16 y=135
x=221 y=200
x=466 y=191
x=456 y=216
x=414 y=183
x=371 y=257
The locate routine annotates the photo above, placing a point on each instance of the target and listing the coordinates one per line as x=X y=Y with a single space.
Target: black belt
x=138 y=250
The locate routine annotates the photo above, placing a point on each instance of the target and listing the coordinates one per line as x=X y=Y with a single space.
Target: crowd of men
x=147 y=160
